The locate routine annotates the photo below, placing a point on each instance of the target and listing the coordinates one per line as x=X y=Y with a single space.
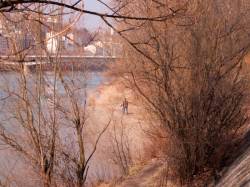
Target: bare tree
x=75 y=115
x=121 y=147
x=35 y=138
x=38 y=110
x=184 y=60
x=187 y=71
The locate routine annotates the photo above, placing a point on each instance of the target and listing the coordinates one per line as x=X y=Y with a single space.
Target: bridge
x=66 y=62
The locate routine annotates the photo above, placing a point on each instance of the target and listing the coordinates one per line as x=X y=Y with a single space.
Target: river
x=83 y=84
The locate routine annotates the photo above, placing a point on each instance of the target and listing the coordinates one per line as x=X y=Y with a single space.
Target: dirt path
x=105 y=105
x=107 y=101
x=150 y=176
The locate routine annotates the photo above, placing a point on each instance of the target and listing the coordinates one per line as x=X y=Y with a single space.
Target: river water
x=82 y=84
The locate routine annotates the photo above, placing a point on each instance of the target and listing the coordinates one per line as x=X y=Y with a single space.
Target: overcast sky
x=93 y=22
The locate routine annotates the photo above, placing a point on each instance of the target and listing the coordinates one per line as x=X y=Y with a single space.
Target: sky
x=93 y=22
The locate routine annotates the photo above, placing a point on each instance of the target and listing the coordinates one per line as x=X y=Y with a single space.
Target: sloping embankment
x=238 y=174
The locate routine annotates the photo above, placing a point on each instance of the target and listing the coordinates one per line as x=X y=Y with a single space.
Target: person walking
x=125 y=106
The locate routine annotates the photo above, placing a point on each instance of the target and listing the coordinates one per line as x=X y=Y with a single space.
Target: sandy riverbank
x=104 y=105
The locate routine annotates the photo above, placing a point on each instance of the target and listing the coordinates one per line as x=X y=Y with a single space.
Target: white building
x=51 y=42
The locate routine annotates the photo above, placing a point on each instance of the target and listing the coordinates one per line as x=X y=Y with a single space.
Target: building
x=4 y=46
